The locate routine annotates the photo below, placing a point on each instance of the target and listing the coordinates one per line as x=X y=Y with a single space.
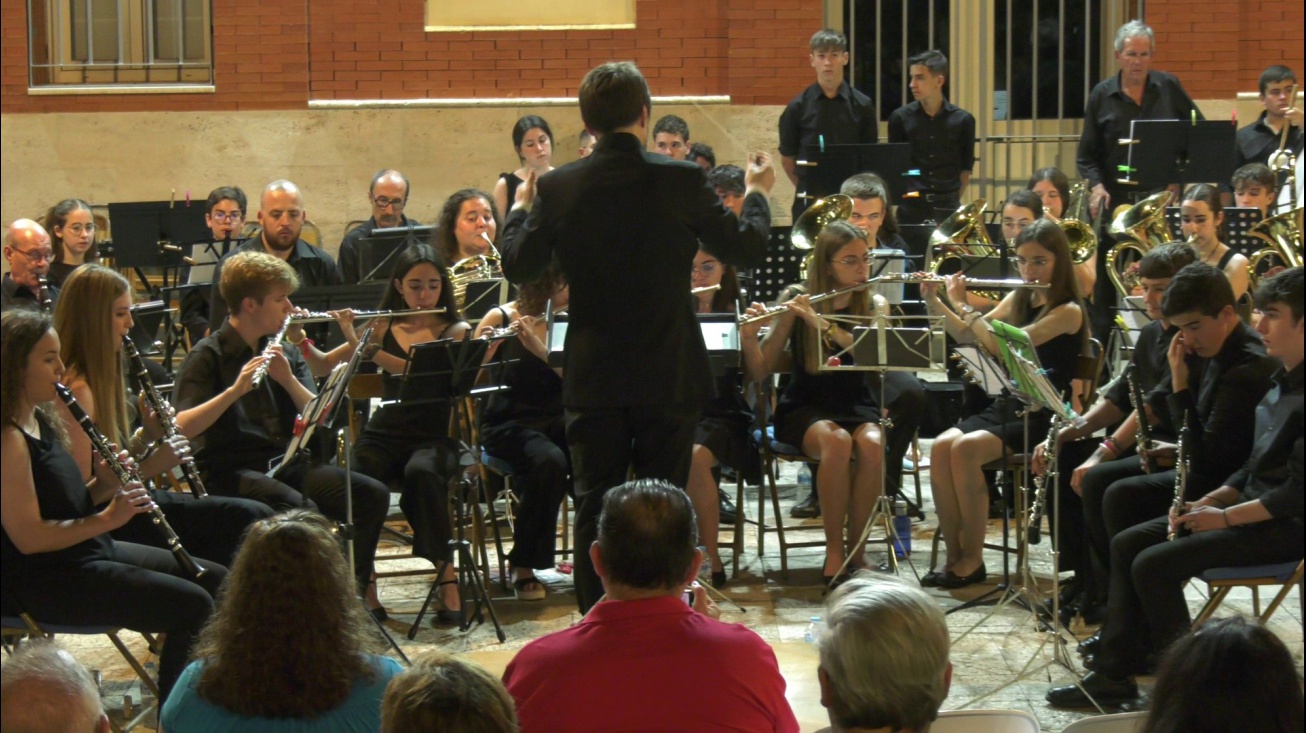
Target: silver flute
x=164 y=412
x=326 y=317
x=262 y=369
x=972 y=283
x=127 y=476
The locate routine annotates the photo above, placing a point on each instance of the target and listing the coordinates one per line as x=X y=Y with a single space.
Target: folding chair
x=985 y=721
x=1220 y=581
x=1116 y=723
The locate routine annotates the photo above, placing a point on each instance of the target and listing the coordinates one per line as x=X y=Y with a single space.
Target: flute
x=705 y=289
x=1180 y=478
x=127 y=476
x=1143 y=433
x=326 y=317
x=971 y=282
x=262 y=369
x=776 y=310
x=164 y=411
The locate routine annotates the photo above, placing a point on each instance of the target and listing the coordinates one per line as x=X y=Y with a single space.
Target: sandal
x=522 y=587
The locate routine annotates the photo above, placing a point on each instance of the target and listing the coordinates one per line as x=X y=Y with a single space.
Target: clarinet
x=43 y=294
x=164 y=412
x=1041 y=484
x=262 y=369
x=1180 y=477
x=1143 y=434
x=126 y=476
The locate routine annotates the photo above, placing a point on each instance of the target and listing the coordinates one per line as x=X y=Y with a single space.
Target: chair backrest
x=1088 y=367
x=1118 y=723
x=985 y=721
x=311 y=234
x=352 y=225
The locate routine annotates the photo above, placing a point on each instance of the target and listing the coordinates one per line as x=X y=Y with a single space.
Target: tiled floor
x=990 y=648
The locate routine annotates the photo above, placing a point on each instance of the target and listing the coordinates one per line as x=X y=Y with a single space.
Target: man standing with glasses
x=28 y=252
x=281 y=218
x=388 y=194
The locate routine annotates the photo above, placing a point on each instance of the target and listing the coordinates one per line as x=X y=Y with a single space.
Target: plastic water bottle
x=705 y=570
x=804 y=480
x=901 y=528
x=814 y=629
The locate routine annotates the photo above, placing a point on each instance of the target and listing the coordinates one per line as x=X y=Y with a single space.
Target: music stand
x=145 y=232
x=482 y=296
x=446 y=371
x=377 y=251
x=1162 y=152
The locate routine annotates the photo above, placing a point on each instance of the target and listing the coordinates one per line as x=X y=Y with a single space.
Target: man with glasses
x=388 y=195
x=281 y=218
x=28 y=252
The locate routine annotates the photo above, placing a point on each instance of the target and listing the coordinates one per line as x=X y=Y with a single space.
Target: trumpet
x=1011 y=283
x=262 y=369
x=126 y=476
x=164 y=412
x=776 y=310
x=326 y=317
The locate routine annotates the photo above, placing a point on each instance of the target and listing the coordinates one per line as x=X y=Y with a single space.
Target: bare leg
x=945 y=497
x=832 y=446
x=867 y=487
x=702 y=492
x=449 y=592
x=970 y=453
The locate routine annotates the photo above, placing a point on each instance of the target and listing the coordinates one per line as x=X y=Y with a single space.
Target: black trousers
x=1147 y=610
x=1094 y=487
x=211 y=528
x=321 y=488
x=904 y=396
x=921 y=209
x=1071 y=541
x=606 y=444
x=541 y=467
x=141 y=588
x=424 y=468
x=1102 y=309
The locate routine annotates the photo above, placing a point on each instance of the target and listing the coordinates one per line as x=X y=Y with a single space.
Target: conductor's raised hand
x=525 y=197
x=760 y=175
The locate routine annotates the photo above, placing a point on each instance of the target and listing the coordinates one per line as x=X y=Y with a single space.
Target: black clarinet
x=126 y=476
x=164 y=411
x=43 y=294
x=1143 y=433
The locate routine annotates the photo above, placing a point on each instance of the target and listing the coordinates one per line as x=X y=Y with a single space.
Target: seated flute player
x=238 y=395
x=1253 y=518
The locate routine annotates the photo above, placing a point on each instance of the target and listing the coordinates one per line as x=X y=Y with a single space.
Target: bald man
x=388 y=195
x=281 y=217
x=28 y=252
x=44 y=690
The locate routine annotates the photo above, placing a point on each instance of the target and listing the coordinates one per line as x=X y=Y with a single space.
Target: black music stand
x=377 y=251
x=446 y=371
x=482 y=296
x=361 y=296
x=1162 y=152
x=145 y=232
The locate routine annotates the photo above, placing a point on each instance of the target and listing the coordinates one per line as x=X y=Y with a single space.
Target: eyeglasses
x=852 y=261
x=1035 y=262
x=223 y=216
x=707 y=268
x=36 y=255
x=381 y=202
x=79 y=228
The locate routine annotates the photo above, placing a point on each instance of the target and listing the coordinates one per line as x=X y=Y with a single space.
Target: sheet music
x=985 y=372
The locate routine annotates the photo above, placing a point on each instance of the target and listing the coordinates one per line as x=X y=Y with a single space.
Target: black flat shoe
x=379 y=614
x=1091 y=644
x=719 y=579
x=1105 y=691
x=809 y=508
x=1094 y=614
x=952 y=581
x=727 y=508
x=931 y=579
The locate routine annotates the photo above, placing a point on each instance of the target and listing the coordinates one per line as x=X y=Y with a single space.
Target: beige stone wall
x=331 y=154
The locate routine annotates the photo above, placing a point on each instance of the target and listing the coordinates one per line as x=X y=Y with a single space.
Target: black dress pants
x=211 y=528
x=1093 y=492
x=424 y=467
x=927 y=207
x=141 y=588
x=1067 y=508
x=541 y=466
x=1147 y=610
x=607 y=443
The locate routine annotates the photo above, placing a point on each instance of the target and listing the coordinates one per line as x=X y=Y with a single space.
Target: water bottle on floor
x=901 y=528
x=804 y=480
x=814 y=629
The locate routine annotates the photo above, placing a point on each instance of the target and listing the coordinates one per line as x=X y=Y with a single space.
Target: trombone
x=1079 y=234
x=326 y=317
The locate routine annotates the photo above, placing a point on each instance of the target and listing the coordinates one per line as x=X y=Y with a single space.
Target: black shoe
x=1094 y=614
x=1090 y=645
x=379 y=614
x=952 y=581
x=1105 y=691
x=1090 y=662
x=931 y=579
x=728 y=512
x=1035 y=535
x=719 y=579
x=809 y=508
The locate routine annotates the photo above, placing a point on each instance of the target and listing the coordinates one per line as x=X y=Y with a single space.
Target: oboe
x=1041 y=484
x=1143 y=433
x=262 y=369
x=127 y=476
x=164 y=411
x=43 y=294
x=1180 y=477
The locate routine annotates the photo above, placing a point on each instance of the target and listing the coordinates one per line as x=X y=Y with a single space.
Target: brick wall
x=1218 y=49
x=279 y=55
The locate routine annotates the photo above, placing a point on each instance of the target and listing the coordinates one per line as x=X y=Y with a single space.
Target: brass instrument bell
x=1283 y=233
x=1138 y=229
x=1079 y=234
x=817 y=217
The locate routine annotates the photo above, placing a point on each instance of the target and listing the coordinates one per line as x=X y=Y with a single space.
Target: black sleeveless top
x=61 y=495
x=513 y=182
x=841 y=393
x=417 y=421
x=535 y=390
x=1058 y=355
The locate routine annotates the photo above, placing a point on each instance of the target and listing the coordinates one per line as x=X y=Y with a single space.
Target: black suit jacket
x=624 y=226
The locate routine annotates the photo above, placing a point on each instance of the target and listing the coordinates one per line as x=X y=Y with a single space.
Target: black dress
x=841 y=397
x=1058 y=357
x=99 y=582
x=410 y=444
x=513 y=182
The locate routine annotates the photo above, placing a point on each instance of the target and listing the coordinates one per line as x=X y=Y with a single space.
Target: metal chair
x=1220 y=581
x=1117 y=723
x=985 y=721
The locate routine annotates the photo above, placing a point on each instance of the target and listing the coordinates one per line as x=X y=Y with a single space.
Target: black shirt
x=813 y=120
x=14 y=295
x=313 y=265
x=256 y=428
x=1273 y=472
x=1256 y=142
x=1108 y=119
x=942 y=146
x=1150 y=355
x=349 y=265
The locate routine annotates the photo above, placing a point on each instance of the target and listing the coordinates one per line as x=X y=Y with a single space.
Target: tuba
x=962 y=234
x=1079 y=234
x=1283 y=234
x=816 y=218
x=1138 y=229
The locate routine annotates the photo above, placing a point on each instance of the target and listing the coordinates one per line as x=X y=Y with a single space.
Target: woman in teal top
x=286 y=649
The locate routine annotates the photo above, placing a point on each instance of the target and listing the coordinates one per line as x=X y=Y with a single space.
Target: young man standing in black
x=942 y=137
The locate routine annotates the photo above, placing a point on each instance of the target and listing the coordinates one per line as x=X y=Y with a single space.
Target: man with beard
x=281 y=217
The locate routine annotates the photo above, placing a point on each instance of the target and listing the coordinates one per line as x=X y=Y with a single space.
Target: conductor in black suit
x=624 y=226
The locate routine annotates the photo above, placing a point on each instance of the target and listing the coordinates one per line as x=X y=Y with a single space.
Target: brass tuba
x=963 y=233
x=1079 y=234
x=1283 y=233
x=816 y=218
x=1138 y=229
